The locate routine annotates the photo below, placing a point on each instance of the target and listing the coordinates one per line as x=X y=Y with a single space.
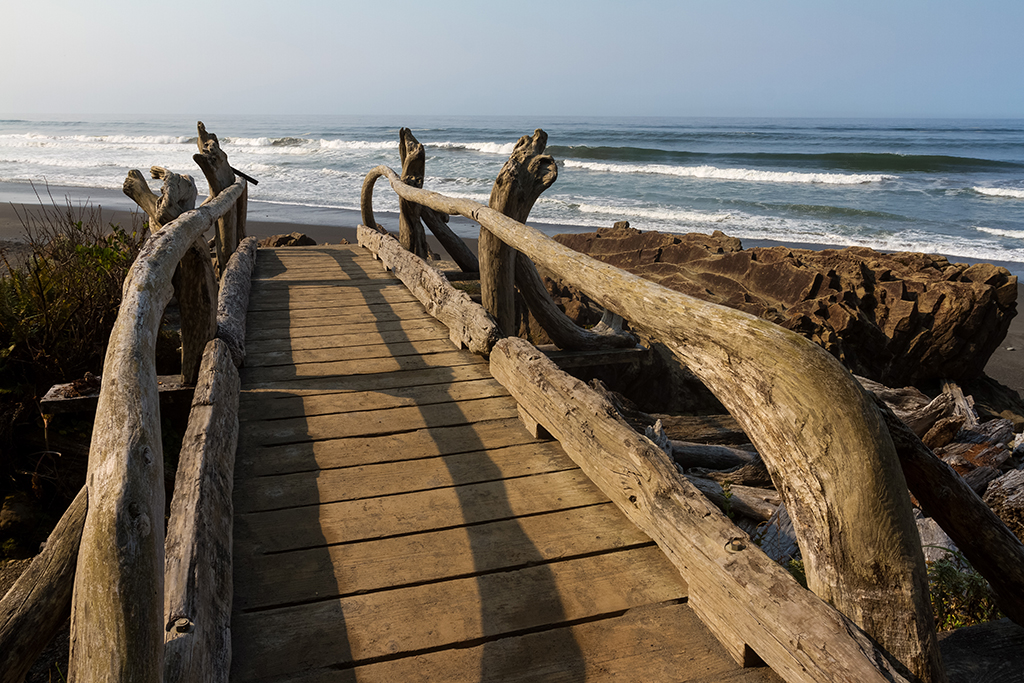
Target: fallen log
x=748 y=601
x=712 y=457
x=39 y=602
x=452 y=243
x=1005 y=496
x=976 y=530
x=759 y=504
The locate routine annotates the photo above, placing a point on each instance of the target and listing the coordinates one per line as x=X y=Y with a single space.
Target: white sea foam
x=358 y=145
x=1016 y=234
x=1000 y=192
x=739 y=174
x=503 y=148
x=659 y=214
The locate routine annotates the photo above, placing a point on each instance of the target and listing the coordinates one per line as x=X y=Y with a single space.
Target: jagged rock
x=899 y=319
x=294 y=239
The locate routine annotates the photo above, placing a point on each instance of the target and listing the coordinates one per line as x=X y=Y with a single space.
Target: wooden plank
x=385 y=479
x=378 y=376
x=252 y=377
x=382 y=624
x=371 y=423
x=285 y=333
x=313 y=455
x=282 y=404
x=321 y=573
x=340 y=337
x=358 y=520
x=346 y=353
x=315 y=304
x=367 y=313
x=664 y=642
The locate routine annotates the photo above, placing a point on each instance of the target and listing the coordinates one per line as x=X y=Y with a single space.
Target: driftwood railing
x=825 y=442
x=144 y=608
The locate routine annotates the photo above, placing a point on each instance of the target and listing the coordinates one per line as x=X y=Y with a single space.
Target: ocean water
x=954 y=187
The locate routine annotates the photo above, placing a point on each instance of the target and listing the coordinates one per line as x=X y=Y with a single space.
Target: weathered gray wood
x=963 y=405
x=414 y=158
x=233 y=298
x=911 y=405
x=992 y=652
x=713 y=457
x=38 y=603
x=117 y=611
x=778 y=538
x=744 y=597
x=452 y=243
x=976 y=530
x=469 y=324
x=198 y=566
x=219 y=175
x=195 y=283
x=855 y=525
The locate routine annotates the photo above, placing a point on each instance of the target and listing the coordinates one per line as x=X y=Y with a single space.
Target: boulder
x=294 y=239
x=900 y=319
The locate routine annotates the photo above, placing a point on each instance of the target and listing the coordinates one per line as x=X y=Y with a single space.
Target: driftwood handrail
x=118 y=624
x=818 y=431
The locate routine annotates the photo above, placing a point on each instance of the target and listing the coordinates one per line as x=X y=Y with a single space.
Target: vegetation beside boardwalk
x=59 y=297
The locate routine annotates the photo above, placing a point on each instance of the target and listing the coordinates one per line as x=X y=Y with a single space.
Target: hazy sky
x=595 y=57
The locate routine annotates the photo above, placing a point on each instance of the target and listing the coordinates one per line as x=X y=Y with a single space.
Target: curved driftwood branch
x=816 y=429
x=35 y=607
x=117 y=611
x=195 y=283
x=751 y=603
x=414 y=159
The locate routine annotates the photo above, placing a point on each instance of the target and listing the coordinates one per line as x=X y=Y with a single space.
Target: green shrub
x=960 y=595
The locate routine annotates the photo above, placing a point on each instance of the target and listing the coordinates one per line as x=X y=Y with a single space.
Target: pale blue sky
x=598 y=57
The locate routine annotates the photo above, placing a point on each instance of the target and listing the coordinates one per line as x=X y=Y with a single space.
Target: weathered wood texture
x=468 y=322
x=198 y=565
x=816 y=429
x=117 y=610
x=195 y=283
x=233 y=298
x=38 y=603
x=746 y=599
x=976 y=530
x=401 y=525
x=414 y=159
x=219 y=175
x=452 y=243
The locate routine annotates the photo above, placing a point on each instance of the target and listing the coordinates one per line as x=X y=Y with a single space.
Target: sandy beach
x=1006 y=365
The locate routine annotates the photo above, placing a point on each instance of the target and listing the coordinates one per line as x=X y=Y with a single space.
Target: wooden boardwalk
x=394 y=521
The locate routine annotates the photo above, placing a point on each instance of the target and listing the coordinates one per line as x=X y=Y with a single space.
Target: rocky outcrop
x=900 y=319
x=294 y=239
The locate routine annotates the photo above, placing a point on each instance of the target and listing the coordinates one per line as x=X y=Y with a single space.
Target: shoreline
x=331 y=226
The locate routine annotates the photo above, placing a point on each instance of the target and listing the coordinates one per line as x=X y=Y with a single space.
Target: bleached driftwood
x=804 y=413
x=467 y=322
x=976 y=530
x=195 y=283
x=749 y=602
x=233 y=299
x=414 y=159
x=219 y=175
x=759 y=504
x=198 y=567
x=452 y=243
x=711 y=456
x=911 y=405
x=117 y=610
x=35 y=607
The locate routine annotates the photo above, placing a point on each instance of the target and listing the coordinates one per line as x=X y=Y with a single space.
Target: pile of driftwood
x=718 y=458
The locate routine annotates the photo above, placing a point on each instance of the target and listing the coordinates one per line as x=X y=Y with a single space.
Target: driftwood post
x=410 y=230
x=117 y=616
x=219 y=175
x=195 y=283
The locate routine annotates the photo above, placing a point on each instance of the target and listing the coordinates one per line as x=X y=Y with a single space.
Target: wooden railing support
x=117 y=610
x=414 y=159
x=816 y=429
x=219 y=175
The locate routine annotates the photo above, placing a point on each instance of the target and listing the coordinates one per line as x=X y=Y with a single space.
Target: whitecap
x=1000 y=192
x=736 y=174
